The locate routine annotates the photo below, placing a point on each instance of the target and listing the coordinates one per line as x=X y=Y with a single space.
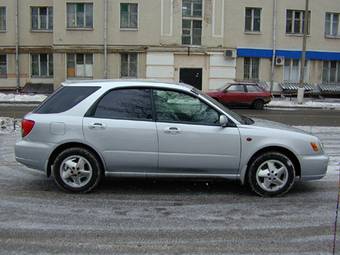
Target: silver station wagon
x=89 y=129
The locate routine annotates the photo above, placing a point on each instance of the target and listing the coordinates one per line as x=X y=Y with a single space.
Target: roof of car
x=125 y=82
x=243 y=83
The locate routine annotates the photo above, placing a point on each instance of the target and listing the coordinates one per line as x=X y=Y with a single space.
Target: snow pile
x=21 y=97
x=328 y=104
x=9 y=125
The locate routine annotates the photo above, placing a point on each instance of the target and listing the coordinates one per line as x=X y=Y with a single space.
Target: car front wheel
x=271 y=174
x=77 y=170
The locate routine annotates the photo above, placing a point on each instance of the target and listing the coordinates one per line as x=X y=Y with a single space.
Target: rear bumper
x=32 y=154
x=313 y=167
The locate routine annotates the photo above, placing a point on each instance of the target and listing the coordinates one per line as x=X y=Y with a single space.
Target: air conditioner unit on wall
x=230 y=53
x=279 y=61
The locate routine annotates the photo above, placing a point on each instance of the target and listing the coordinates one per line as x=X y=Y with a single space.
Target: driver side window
x=173 y=106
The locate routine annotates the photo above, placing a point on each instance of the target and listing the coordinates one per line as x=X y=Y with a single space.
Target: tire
x=77 y=170
x=258 y=104
x=271 y=174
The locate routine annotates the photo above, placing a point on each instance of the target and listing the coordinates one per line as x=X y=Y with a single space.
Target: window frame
x=235 y=91
x=250 y=71
x=5 y=29
x=301 y=22
x=91 y=110
x=331 y=23
x=185 y=122
x=252 y=17
x=291 y=66
x=192 y=18
x=75 y=64
x=6 y=66
x=39 y=29
x=76 y=27
x=128 y=63
x=120 y=16
x=337 y=71
x=39 y=76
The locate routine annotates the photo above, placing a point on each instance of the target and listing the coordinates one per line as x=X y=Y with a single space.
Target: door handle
x=97 y=125
x=172 y=130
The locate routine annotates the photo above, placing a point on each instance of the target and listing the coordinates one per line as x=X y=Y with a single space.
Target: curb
x=21 y=102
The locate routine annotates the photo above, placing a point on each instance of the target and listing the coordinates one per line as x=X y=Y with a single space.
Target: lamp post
x=301 y=89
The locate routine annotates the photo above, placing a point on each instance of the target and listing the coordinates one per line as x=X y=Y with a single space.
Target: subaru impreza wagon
x=88 y=129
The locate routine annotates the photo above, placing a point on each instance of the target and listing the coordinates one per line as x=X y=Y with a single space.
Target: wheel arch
x=68 y=145
x=291 y=155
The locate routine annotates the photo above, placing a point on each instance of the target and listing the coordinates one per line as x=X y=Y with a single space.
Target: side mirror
x=223 y=121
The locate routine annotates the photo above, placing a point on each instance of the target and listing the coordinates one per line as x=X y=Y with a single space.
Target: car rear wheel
x=258 y=104
x=271 y=174
x=77 y=170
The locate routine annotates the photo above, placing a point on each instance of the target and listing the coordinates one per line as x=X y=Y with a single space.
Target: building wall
x=157 y=40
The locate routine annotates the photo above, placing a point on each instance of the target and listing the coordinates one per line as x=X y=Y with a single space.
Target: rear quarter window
x=64 y=99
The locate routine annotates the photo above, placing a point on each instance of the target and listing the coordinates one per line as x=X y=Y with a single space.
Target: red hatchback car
x=242 y=94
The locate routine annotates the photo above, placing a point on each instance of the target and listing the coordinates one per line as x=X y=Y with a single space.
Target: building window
x=251 y=68
x=42 y=65
x=191 y=22
x=332 y=26
x=80 y=15
x=42 y=18
x=128 y=15
x=128 y=66
x=292 y=70
x=295 y=22
x=3 y=66
x=331 y=71
x=80 y=65
x=2 y=18
x=253 y=20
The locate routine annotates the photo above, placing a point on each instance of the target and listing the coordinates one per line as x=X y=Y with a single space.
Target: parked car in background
x=89 y=129
x=242 y=94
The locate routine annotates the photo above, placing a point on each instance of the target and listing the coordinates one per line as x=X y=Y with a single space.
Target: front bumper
x=313 y=167
x=32 y=154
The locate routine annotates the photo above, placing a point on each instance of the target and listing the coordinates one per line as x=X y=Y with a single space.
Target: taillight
x=26 y=127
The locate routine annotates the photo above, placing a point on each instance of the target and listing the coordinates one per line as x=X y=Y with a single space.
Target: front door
x=191 y=76
x=191 y=140
x=121 y=128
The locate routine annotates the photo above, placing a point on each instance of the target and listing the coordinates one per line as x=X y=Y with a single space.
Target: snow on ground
x=21 y=97
x=9 y=125
x=308 y=102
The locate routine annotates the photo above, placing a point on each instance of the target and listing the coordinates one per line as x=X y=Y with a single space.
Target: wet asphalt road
x=310 y=117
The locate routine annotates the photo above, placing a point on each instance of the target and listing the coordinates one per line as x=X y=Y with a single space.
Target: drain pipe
x=17 y=70
x=272 y=74
x=105 y=37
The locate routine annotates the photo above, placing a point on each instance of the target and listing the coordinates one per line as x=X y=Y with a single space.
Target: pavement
x=164 y=216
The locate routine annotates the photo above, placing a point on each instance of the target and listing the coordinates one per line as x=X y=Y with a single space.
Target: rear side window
x=252 y=88
x=65 y=98
x=132 y=104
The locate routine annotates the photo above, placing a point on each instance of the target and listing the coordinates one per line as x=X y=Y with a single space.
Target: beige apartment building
x=202 y=42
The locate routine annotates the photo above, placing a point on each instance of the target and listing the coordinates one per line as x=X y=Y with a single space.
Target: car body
x=89 y=129
x=242 y=94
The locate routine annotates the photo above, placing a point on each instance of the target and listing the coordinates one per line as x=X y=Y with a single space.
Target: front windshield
x=237 y=117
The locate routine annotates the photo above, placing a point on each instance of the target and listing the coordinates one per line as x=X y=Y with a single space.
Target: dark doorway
x=191 y=76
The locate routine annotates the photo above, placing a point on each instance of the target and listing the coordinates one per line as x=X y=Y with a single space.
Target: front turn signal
x=315 y=147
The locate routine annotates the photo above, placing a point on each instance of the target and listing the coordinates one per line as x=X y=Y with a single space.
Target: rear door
x=191 y=141
x=253 y=92
x=121 y=127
